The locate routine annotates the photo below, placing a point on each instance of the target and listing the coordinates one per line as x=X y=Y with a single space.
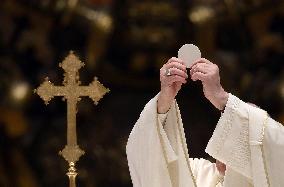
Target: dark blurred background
x=124 y=43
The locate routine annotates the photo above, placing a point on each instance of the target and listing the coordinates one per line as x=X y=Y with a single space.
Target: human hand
x=221 y=167
x=171 y=83
x=208 y=74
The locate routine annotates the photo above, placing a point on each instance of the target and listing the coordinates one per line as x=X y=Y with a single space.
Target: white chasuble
x=158 y=157
x=251 y=144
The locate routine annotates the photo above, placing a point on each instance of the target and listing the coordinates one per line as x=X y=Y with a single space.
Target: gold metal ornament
x=71 y=92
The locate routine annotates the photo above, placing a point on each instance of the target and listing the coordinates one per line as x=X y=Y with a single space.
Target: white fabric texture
x=250 y=143
x=163 y=117
x=158 y=156
x=246 y=139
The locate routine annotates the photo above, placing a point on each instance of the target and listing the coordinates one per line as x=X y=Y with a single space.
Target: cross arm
x=48 y=90
x=95 y=90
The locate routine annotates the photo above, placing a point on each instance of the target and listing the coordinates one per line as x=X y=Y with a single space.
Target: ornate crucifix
x=71 y=91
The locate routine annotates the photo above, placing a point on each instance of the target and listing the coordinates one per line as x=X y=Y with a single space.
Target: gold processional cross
x=71 y=91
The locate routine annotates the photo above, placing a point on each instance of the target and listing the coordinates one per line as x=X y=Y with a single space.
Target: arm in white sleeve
x=230 y=140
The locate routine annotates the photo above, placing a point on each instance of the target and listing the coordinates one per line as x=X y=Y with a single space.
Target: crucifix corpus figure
x=71 y=92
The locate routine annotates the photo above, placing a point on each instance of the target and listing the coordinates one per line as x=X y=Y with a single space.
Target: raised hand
x=208 y=74
x=172 y=75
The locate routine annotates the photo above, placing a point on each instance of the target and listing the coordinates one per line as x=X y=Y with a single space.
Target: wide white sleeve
x=249 y=142
x=230 y=140
x=154 y=151
x=145 y=154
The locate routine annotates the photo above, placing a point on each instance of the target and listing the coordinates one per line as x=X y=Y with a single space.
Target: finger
x=198 y=76
x=175 y=64
x=175 y=71
x=163 y=70
x=204 y=68
x=201 y=60
x=174 y=59
x=175 y=78
x=196 y=63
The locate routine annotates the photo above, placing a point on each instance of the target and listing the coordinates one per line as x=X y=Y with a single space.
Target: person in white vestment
x=246 y=139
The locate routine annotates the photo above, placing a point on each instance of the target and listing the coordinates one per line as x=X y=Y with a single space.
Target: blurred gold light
x=102 y=19
x=72 y=3
x=201 y=14
x=19 y=91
